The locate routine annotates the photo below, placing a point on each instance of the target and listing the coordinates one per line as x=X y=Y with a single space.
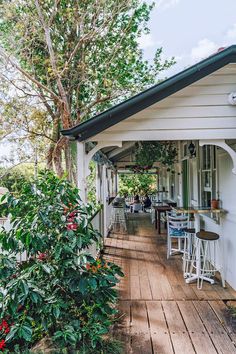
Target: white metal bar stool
x=118 y=219
x=204 y=258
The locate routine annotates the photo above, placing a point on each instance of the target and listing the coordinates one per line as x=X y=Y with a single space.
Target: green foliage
x=132 y=184
x=108 y=59
x=61 y=291
x=14 y=179
x=149 y=152
x=81 y=56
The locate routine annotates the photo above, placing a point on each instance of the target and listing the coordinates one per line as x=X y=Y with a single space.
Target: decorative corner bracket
x=221 y=143
x=100 y=145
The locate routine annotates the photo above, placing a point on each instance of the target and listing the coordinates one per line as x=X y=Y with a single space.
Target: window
x=208 y=175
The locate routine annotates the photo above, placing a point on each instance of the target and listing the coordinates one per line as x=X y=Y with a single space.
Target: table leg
x=159 y=222
x=198 y=261
x=155 y=219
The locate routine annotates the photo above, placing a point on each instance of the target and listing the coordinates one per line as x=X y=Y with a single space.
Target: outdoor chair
x=176 y=226
x=137 y=207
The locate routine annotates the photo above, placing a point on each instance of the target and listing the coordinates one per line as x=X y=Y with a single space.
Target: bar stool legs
x=204 y=259
x=119 y=220
x=188 y=251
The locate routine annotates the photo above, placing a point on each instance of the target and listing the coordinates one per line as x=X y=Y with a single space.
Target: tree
x=80 y=57
x=137 y=184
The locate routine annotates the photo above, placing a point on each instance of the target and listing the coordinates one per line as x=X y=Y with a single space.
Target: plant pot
x=214 y=204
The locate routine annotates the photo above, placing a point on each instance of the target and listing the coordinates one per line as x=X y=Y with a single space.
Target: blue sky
x=190 y=30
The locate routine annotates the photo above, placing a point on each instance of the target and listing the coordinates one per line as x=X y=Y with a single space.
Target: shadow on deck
x=163 y=314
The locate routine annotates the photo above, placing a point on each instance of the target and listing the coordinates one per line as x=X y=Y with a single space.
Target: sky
x=190 y=30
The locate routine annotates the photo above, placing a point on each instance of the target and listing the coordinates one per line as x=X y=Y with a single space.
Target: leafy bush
x=137 y=184
x=60 y=292
x=15 y=178
x=148 y=152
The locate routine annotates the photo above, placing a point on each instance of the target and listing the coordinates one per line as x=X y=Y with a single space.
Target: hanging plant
x=148 y=152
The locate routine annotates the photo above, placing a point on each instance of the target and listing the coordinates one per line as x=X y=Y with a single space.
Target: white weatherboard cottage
x=198 y=105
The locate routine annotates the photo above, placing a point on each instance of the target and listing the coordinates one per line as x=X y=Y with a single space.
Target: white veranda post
x=83 y=159
x=81 y=177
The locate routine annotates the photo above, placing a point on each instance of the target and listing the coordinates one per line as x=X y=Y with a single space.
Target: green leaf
x=46 y=268
x=83 y=283
x=79 y=241
x=24 y=287
x=92 y=283
x=56 y=311
x=25 y=332
x=12 y=333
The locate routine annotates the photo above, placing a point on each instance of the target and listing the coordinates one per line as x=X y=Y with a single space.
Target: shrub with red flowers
x=4 y=330
x=61 y=292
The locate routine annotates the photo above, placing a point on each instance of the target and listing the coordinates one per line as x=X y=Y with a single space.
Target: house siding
x=198 y=111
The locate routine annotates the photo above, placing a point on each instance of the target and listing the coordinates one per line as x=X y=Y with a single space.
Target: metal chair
x=176 y=226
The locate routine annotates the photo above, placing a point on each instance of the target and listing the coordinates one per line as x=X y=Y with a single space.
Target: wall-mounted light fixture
x=232 y=98
x=192 y=149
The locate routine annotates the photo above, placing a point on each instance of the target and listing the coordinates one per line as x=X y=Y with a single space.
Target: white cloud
x=147 y=41
x=165 y=4
x=231 y=33
x=204 y=48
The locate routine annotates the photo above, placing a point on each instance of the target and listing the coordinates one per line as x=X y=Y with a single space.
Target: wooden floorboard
x=160 y=313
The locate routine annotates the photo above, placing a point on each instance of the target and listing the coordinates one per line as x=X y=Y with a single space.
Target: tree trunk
x=49 y=157
x=69 y=162
x=57 y=155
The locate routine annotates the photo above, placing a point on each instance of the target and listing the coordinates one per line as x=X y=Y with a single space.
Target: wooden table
x=197 y=211
x=158 y=210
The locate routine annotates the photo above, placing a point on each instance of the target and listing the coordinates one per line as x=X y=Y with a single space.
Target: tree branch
x=26 y=74
x=53 y=62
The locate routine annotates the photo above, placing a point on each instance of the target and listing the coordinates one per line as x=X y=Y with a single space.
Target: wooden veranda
x=160 y=313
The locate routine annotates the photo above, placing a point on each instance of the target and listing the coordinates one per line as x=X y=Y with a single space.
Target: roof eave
x=152 y=95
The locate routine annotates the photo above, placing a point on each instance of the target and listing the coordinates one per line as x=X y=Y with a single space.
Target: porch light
x=192 y=149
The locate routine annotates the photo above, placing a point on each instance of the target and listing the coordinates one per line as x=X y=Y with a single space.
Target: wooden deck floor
x=161 y=313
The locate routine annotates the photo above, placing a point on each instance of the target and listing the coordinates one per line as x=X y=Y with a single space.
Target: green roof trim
x=154 y=94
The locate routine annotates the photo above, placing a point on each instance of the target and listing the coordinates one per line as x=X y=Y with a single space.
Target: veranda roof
x=152 y=95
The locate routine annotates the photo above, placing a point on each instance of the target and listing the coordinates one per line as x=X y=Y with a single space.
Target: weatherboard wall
x=198 y=111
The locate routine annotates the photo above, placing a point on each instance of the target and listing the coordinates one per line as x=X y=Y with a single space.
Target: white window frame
x=208 y=167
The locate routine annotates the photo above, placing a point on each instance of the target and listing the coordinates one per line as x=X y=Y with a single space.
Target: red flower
x=2 y=344
x=72 y=214
x=72 y=227
x=71 y=219
x=42 y=256
x=7 y=330
x=4 y=324
x=88 y=266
